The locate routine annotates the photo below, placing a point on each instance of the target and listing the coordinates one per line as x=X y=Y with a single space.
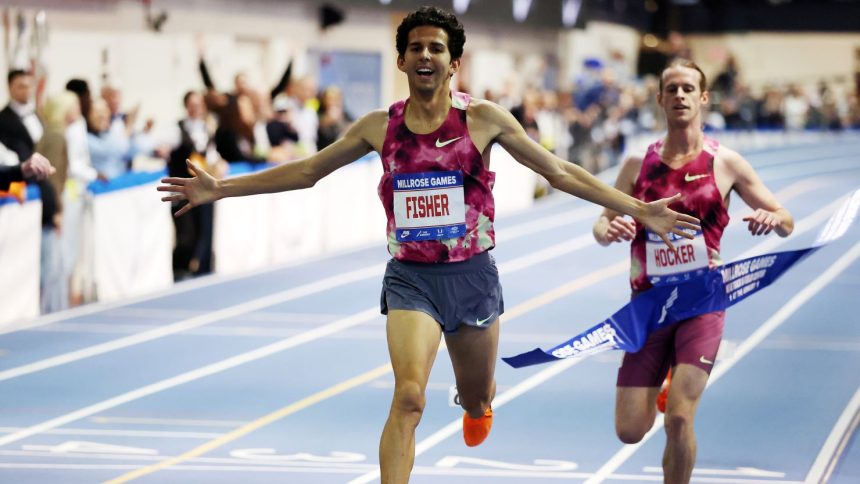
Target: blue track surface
x=281 y=376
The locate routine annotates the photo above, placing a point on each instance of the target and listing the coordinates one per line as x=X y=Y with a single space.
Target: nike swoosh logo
x=482 y=321
x=705 y=360
x=442 y=144
x=688 y=177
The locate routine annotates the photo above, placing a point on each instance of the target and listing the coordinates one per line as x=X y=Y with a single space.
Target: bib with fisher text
x=429 y=205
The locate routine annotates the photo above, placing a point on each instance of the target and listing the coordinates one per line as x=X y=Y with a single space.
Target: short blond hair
x=56 y=110
x=703 y=82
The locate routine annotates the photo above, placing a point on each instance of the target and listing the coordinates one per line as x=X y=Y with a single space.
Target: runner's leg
x=688 y=383
x=413 y=340
x=473 y=355
x=634 y=412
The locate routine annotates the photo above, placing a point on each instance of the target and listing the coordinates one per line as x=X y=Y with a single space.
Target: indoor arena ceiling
x=658 y=16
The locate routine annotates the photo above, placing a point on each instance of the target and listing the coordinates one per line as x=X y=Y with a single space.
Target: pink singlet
x=694 y=341
x=436 y=190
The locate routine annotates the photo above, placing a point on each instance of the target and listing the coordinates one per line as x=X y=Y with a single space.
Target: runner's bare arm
x=611 y=226
x=365 y=135
x=768 y=215
x=574 y=180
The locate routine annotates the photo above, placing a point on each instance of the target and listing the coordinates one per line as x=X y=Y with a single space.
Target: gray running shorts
x=453 y=294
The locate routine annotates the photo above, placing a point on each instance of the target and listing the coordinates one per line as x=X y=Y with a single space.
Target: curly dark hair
x=435 y=17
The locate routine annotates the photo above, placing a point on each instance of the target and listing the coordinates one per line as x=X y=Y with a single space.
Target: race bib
x=429 y=206
x=664 y=266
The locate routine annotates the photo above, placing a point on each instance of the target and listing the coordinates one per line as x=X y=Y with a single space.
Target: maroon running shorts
x=694 y=341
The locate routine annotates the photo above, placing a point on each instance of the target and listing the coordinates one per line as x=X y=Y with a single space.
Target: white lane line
x=122 y=433
x=256 y=304
x=359 y=318
x=239 y=359
x=192 y=375
x=243 y=465
x=353 y=468
x=171 y=422
x=173 y=290
x=751 y=342
x=231 y=331
x=515 y=231
x=589 y=212
x=519 y=230
x=269 y=315
x=450 y=429
x=833 y=448
x=195 y=322
x=527 y=384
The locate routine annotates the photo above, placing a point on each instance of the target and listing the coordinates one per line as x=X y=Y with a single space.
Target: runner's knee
x=631 y=434
x=409 y=400
x=678 y=424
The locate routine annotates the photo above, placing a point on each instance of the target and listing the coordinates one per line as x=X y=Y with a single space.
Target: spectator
x=216 y=100
x=78 y=261
x=302 y=93
x=192 y=254
x=20 y=130
x=59 y=112
x=234 y=139
x=82 y=89
x=795 y=108
x=37 y=167
x=124 y=125
x=282 y=135
x=333 y=118
x=109 y=150
x=770 y=110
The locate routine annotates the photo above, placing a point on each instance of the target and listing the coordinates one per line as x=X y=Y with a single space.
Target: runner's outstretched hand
x=662 y=220
x=196 y=191
x=620 y=229
x=762 y=222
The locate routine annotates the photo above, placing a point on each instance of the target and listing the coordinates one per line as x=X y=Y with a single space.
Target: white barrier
x=132 y=236
x=133 y=242
x=744 y=141
x=20 y=239
x=342 y=211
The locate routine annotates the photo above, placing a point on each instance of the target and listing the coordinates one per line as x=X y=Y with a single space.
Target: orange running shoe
x=664 y=393
x=475 y=430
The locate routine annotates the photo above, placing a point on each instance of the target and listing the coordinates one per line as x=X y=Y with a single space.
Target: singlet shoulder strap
x=711 y=145
x=460 y=100
x=654 y=149
x=396 y=110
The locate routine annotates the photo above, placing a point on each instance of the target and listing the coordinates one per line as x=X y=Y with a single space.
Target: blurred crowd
x=589 y=123
x=90 y=136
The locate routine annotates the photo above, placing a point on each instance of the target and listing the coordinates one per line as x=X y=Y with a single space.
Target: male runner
x=705 y=172
x=436 y=190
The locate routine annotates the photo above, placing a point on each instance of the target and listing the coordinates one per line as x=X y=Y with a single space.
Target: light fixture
x=460 y=6
x=570 y=12
x=521 y=9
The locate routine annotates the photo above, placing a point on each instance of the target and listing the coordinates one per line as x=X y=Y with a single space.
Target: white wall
x=155 y=69
x=497 y=58
x=779 y=58
x=255 y=36
x=598 y=40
